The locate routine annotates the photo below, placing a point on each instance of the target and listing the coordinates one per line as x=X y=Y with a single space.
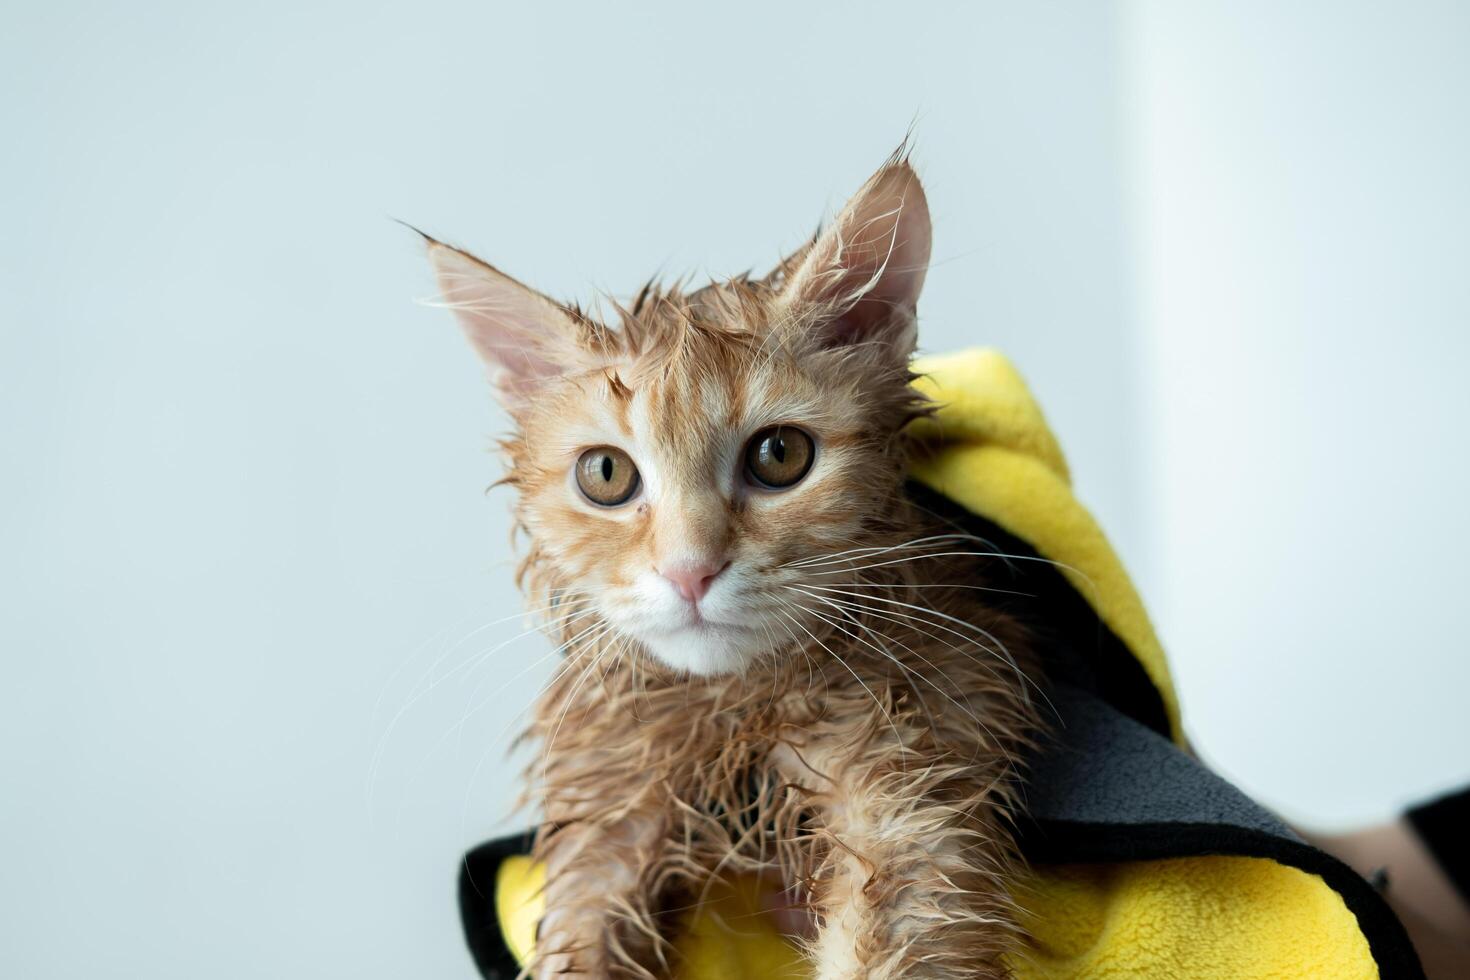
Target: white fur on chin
x=710 y=650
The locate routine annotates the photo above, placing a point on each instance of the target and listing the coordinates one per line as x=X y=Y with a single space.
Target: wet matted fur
x=839 y=705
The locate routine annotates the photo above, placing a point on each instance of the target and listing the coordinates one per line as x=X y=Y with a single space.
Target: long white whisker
x=936 y=585
x=463 y=667
x=561 y=672
x=560 y=648
x=907 y=669
x=430 y=670
x=960 y=554
x=811 y=665
x=868 y=597
x=1028 y=685
x=865 y=687
x=567 y=706
x=933 y=723
x=874 y=550
x=469 y=712
x=907 y=620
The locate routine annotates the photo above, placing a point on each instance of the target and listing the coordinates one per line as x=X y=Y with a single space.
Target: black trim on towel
x=477 y=875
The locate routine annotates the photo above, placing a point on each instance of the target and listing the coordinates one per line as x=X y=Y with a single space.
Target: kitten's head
x=685 y=471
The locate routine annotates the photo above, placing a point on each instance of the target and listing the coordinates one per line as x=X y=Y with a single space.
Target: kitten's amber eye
x=606 y=476
x=779 y=457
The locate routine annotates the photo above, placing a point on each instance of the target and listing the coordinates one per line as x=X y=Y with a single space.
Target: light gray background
x=254 y=699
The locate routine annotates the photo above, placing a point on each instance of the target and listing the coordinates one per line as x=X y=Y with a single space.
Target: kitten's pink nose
x=692 y=578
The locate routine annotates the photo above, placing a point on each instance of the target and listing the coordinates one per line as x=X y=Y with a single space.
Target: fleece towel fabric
x=1143 y=863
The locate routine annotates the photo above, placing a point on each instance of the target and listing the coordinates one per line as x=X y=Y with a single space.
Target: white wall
x=1304 y=243
x=242 y=512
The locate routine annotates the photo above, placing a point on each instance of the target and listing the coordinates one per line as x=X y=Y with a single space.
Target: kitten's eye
x=779 y=457
x=606 y=476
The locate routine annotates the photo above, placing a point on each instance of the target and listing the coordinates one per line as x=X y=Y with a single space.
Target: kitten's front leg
x=607 y=802
x=915 y=881
x=599 y=916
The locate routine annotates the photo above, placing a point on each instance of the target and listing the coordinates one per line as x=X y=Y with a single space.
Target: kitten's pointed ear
x=522 y=336
x=859 y=281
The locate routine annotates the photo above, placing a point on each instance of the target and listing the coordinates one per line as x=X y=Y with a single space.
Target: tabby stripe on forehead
x=622 y=395
x=736 y=397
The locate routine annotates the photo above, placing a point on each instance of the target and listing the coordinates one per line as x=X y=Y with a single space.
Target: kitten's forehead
x=694 y=421
x=712 y=389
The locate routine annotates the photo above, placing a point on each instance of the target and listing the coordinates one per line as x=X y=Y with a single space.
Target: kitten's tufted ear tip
x=445 y=258
x=427 y=239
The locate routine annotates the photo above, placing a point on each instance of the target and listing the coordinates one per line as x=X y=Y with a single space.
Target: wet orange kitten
x=776 y=661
